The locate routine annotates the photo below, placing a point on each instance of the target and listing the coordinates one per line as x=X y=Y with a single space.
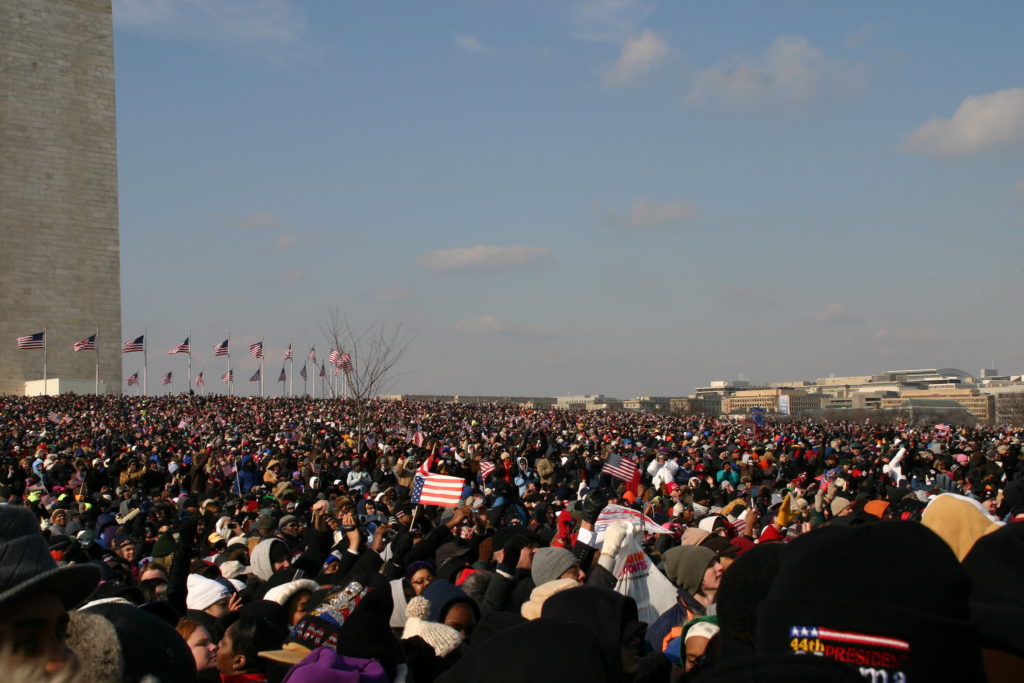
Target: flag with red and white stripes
x=302 y=373
x=32 y=341
x=437 y=489
x=281 y=377
x=312 y=354
x=183 y=347
x=87 y=344
x=288 y=353
x=134 y=379
x=255 y=376
x=198 y=381
x=345 y=363
x=620 y=466
x=167 y=378
x=486 y=467
x=222 y=349
x=256 y=349
x=334 y=358
x=134 y=345
x=228 y=377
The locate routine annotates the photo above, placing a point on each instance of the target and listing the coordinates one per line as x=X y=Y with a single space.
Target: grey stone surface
x=59 y=241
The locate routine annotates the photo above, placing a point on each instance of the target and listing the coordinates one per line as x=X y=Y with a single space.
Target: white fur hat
x=283 y=593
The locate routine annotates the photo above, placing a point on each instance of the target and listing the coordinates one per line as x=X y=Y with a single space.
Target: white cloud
x=471 y=43
x=608 y=21
x=639 y=55
x=490 y=325
x=791 y=72
x=834 y=314
x=238 y=21
x=257 y=220
x=646 y=213
x=981 y=122
x=484 y=324
x=286 y=240
x=920 y=334
x=396 y=292
x=482 y=257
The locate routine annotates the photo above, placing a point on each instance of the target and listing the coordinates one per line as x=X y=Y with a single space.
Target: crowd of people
x=187 y=538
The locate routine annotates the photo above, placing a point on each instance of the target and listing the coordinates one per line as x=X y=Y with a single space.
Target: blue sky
x=619 y=197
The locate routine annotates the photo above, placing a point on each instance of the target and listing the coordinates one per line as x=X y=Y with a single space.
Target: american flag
x=53 y=417
x=33 y=341
x=167 y=378
x=437 y=489
x=183 y=347
x=282 y=377
x=334 y=358
x=418 y=438
x=486 y=467
x=255 y=376
x=288 y=353
x=198 y=380
x=134 y=379
x=424 y=468
x=302 y=373
x=337 y=371
x=229 y=469
x=228 y=376
x=256 y=350
x=620 y=466
x=76 y=480
x=134 y=345
x=221 y=349
x=345 y=363
x=312 y=354
x=323 y=370
x=87 y=344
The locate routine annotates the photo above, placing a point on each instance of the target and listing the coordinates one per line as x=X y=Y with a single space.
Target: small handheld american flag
x=620 y=467
x=486 y=467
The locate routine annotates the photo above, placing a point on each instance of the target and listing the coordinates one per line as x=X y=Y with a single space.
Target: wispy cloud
x=647 y=214
x=639 y=55
x=919 y=334
x=483 y=257
x=287 y=240
x=471 y=43
x=608 y=21
x=791 y=72
x=273 y=29
x=834 y=314
x=396 y=292
x=981 y=122
x=491 y=325
x=257 y=220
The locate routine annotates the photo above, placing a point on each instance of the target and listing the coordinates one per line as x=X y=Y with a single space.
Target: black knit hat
x=996 y=565
x=888 y=597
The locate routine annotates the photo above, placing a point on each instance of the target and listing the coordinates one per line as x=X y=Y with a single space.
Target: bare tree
x=374 y=353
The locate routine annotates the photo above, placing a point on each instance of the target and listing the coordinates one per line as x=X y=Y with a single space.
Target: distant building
x=771 y=400
x=982 y=406
x=660 y=405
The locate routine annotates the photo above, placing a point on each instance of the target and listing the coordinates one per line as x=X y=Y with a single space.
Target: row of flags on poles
x=341 y=360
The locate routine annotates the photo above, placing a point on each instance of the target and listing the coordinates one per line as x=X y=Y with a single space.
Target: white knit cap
x=444 y=639
x=203 y=592
x=283 y=593
x=232 y=569
x=701 y=629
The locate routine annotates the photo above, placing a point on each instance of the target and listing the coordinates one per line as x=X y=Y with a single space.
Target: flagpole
x=96 y=348
x=305 y=386
x=262 y=356
x=189 y=385
x=145 y=362
x=229 y=364
x=291 y=368
x=46 y=387
x=315 y=378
